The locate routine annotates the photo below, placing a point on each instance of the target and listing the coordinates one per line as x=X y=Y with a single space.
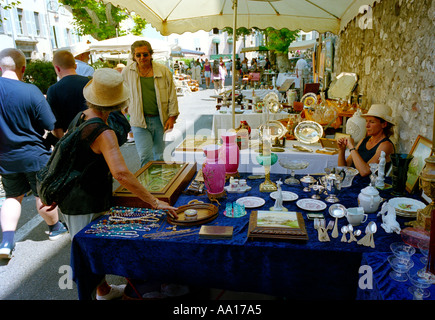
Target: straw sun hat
x=380 y=111
x=106 y=88
x=80 y=48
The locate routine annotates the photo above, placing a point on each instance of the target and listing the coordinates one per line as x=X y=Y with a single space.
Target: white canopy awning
x=122 y=45
x=302 y=45
x=179 y=16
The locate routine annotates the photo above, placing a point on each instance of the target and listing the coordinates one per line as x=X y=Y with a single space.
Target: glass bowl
x=420 y=283
x=400 y=268
x=293 y=165
x=402 y=250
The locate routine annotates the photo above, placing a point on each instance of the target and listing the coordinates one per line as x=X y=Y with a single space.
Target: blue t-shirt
x=66 y=99
x=24 y=115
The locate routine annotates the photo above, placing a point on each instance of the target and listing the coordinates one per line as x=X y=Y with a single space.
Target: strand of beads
x=126 y=222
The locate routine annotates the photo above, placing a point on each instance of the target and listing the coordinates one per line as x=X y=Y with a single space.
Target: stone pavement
x=39 y=266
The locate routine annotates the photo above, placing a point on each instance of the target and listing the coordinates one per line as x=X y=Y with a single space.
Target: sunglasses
x=146 y=54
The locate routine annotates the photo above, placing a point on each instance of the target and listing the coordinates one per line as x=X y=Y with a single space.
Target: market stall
x=276 y=267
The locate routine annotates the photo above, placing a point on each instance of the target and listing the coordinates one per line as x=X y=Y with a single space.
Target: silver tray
x=277 y=130
x=308 y=132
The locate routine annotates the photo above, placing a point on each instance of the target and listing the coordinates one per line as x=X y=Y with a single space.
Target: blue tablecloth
x=301 y=270
x=384 y=287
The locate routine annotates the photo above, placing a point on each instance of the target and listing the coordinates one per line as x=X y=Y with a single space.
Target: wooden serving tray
x=206 y=213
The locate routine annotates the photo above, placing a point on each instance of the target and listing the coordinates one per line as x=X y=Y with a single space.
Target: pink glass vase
x=229 y=153
x=213 y=172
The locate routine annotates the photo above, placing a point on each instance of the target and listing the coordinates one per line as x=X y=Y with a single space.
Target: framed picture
x=421 y=150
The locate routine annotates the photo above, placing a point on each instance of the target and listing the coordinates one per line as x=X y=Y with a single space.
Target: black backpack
x=58 y=177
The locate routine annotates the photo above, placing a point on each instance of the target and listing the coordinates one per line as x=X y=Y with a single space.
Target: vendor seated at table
x=379 y=126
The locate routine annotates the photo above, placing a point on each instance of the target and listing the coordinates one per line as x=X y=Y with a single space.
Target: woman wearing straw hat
x=379 y=127
x=105 y=93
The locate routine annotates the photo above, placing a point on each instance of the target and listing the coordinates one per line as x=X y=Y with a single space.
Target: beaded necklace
x=126 y=222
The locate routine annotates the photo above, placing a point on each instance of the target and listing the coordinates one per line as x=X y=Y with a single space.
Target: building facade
x=37 y=27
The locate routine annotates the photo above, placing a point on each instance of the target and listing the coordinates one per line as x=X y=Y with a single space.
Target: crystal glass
x=423 y=246
x=350 y=173
x=400 y=268
x=293 y=165
x=402 y=250
x=419 y=284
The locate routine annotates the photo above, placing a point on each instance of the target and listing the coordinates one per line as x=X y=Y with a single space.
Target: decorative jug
x=213 y=172
x=369 y=199
x=229 y=153
x=356 y=126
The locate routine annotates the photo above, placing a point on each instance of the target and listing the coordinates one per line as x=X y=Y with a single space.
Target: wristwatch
x=350 y=150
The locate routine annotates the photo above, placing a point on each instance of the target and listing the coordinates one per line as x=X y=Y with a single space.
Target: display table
x=248 y=163
x=385 y=288
x=297 y=270
x=260 y=93
x=223 y=121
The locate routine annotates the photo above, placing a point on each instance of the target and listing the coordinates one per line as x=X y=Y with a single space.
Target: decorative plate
x=286 y=195
x=308 y=132
x=309 y=100
x=311 y=204
x=251 y=202
x=406 y=207
x=277 y=130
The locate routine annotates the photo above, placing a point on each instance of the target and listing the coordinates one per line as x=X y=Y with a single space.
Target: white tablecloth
x=223 y=122
x=261 y=93
x=283 y=76
x=248 y=163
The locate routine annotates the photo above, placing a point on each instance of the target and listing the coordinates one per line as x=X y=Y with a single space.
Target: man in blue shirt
x=65 y=97
x=24 y=117
x=81 y=53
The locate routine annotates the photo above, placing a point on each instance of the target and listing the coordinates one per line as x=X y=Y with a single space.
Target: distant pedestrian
x=82 y=53
x=207 y=73
x=216 y=76
x=176 y=67
x=24 y=116
x=66 y=96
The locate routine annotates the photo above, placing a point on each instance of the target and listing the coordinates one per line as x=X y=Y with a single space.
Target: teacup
x=356 y=216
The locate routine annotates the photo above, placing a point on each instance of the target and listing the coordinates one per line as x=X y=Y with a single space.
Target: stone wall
x=394 y=58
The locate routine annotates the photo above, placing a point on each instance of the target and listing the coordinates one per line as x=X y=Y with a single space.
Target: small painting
x=421 y=150
x=276 y=219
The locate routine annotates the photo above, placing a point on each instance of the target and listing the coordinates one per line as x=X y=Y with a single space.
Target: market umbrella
x=179 y=16
x=122 y=45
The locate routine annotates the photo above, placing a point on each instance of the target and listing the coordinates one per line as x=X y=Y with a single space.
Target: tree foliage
x=280 y=40
x=40 y=73
x=101 y=21
x=242 y=31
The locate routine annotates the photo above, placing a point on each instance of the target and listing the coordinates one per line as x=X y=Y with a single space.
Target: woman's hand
x=342 y=143
x=165 y=206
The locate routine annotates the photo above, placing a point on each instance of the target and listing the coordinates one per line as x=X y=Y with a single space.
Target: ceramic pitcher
x=229 y=153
